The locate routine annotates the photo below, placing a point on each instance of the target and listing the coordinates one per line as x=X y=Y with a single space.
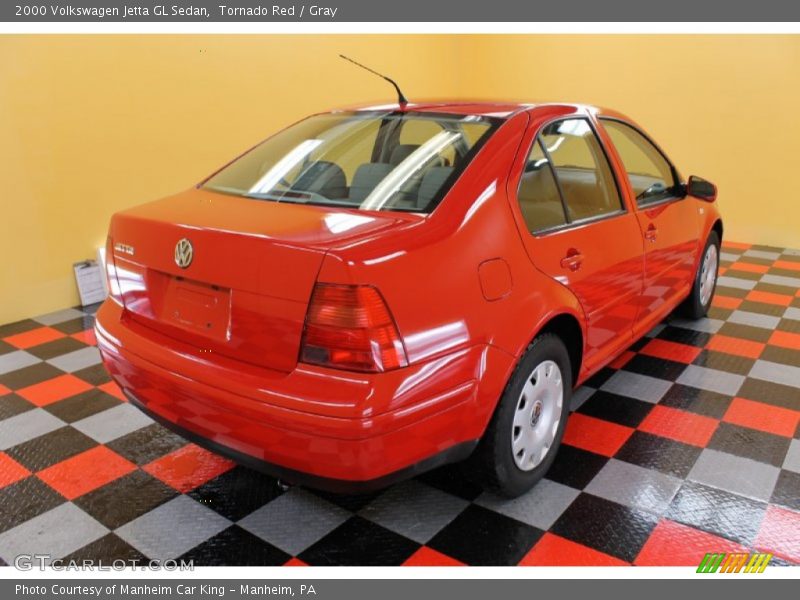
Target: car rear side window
x=582 y=170
x=651 y=175
x=539 y=199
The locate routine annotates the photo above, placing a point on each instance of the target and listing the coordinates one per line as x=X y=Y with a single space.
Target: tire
x=699 y=301
x=517 y=423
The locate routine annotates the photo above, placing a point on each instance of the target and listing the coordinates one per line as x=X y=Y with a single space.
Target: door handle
x=572 y=260
x=651 y=233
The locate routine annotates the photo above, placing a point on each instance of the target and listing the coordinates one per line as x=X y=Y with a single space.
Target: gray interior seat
x=432 y=181
x=366 y=177
x=324 y=178
x=401 y=152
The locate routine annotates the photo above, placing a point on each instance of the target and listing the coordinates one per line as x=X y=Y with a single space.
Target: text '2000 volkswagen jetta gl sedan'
x=372 y=293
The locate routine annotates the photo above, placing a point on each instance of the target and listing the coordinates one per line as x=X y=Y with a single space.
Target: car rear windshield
x=364 y=160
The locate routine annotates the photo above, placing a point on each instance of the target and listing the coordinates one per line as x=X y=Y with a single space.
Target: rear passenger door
x=668 y=221
x=581 y=233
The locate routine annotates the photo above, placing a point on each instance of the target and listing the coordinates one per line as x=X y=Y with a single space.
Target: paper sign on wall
x=89 y=277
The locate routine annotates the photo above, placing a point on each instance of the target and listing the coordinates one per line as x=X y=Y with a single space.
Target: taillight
x=350 y=327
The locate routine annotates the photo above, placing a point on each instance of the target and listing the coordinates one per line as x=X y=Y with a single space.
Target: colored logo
x=735 y=562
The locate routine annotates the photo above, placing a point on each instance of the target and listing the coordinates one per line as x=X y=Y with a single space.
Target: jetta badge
x=184 y=253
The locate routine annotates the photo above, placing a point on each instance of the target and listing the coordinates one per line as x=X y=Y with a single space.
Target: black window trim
x=586 y=220
x=678 y=188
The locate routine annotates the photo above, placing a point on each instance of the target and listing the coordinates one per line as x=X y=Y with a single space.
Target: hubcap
x=537 y=416
x=708 y=274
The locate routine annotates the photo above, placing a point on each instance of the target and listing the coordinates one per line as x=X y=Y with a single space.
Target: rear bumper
x=316 y=426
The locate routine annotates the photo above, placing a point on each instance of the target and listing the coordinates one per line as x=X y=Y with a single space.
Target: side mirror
x=700 y=188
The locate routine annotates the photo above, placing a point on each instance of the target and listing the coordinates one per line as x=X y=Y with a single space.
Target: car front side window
x=651 y=176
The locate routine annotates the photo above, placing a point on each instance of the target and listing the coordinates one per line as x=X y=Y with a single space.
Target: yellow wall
x=92 y=124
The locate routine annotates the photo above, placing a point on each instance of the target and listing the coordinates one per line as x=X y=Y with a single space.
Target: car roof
x=500 y=109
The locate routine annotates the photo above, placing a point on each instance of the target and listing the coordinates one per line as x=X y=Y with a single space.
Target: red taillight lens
x=350 y=327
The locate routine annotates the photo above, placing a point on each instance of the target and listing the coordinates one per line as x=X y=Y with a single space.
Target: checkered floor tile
x=690 y=443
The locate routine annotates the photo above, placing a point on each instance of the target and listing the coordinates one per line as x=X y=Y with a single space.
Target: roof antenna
x=401 y=99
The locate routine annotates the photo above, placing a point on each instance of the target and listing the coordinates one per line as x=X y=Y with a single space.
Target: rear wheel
x=525 y=432
x=705 y=281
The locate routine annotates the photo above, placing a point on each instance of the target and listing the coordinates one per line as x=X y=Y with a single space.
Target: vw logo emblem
x=184 y=253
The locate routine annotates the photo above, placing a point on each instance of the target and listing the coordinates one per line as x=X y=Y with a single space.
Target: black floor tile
x=12 y=405
x=18 y=327
x=775 y=394
x=762 y=308
x=724 y=362
x=51 y=448
x=716 y=511
x=237 y=492
x=785 y=356
x=615 y=408
x=75 y=325
x=598 y=379
x=21 y=378
x=109 y=550
x=235 y=547
x=479 y=536
x=125 y=499
x=790 y=325
x=350 y=502
x=55 y=348
x=452 y=479
x=684 y=336
x=5 y=348
x=750 y=443
x=24 y=500
x=719 y=313
x=94 y=375
x=787 y=490
x=741 y=274
x=730 y=292
x=701 y=402
x=359 y=542
x=772 y=288
x=147 y=444
x=605 y=526
x=745 y=332
x=659 y=453
x=575 y=467
x=82 y=405
x=655 y=367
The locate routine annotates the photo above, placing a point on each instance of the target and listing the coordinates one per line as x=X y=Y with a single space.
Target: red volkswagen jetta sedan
x=372 y=293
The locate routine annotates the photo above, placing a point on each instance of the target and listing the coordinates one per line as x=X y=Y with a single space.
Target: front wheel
x=705 y=281
x=525 y=432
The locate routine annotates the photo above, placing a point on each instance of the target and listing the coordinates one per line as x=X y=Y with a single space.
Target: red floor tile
x=749 y=267
x=595 y=435
x=85 y=472
x=726 y=302
x=188 y=467
x=295 y=562
x=764 y=417
x=10 y=470
x=789 y=265
x=785 y=339
x=553 y=550
x=735 y=346
x=34 y=337
x=679 y=425
x=780 y=533
x=674 y=545
x=428 y=557
x=671 y=351
x=53 y=390
x=87 y=337
x=113 y=389
x=769 y=298
x=622 y=359
x=4 y=390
